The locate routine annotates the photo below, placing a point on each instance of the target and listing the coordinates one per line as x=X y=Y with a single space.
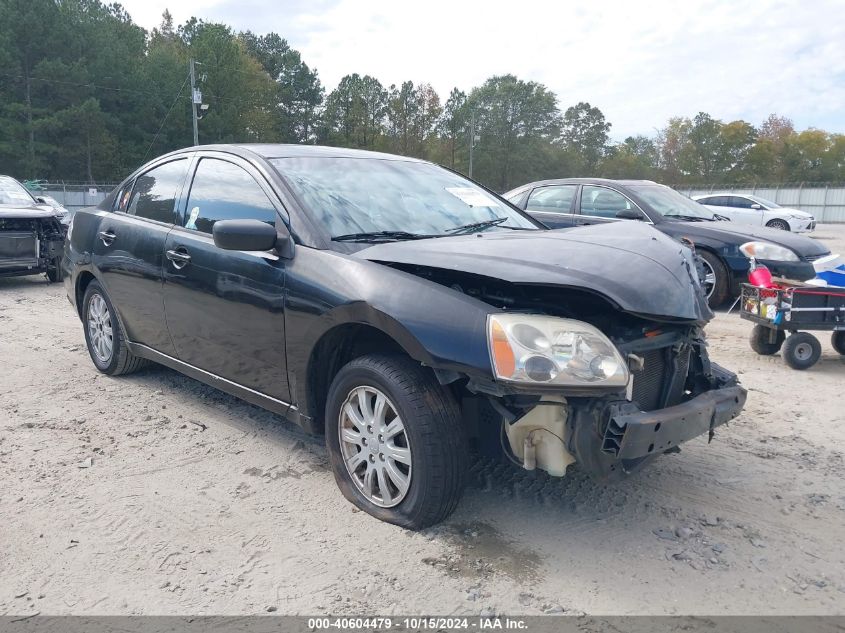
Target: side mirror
x=630 y=214
x=756 y=206
x=41 y=200
x=247 y=235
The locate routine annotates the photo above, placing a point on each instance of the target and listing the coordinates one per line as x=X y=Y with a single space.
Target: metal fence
x=72 y=196
x=826 y=202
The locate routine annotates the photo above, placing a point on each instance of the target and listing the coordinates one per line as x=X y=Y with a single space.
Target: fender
x=435 y=325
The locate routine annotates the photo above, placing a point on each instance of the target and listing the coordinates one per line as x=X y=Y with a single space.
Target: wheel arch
x=343 y=342
x=780 y=220
x=83 y=280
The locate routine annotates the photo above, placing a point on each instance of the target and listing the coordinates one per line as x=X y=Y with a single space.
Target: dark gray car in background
x=572 y=202
x=32 y=235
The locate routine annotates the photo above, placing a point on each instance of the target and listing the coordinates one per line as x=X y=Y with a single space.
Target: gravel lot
x=154 y=494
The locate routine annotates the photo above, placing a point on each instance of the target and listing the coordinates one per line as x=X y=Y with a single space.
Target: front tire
x=802 y=350
x=780 y=225
x=104 y=335
x=716 y=282
x=397 y=447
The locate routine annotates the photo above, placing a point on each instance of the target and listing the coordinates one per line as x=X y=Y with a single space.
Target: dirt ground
x=154 y=494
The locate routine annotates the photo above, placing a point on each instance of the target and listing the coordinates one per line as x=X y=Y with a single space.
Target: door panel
x=130 y=268
x=129 y=249
x=225 y=309
x=225 y=312
x=741 y=211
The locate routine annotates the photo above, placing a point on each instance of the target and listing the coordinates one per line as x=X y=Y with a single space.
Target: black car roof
x=285 y=150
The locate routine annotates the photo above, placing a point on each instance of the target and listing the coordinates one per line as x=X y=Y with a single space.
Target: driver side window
x=224 y=191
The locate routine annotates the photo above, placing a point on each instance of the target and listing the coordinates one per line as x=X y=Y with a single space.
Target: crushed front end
x=673 y=393
x=662 y=391
x=596 y=344
x=30 y=245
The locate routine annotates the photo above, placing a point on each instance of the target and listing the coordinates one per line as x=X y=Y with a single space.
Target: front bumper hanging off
x=632 y=434
x=612 y=439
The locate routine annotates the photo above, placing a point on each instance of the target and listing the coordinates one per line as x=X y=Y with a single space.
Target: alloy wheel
x=709 y=278
x=375 y=447
x=100 y=332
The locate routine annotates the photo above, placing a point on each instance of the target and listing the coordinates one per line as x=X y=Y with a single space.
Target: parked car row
x=406 y=313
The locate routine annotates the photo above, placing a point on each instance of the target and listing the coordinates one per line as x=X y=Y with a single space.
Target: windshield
x=671 y=204
x=13 y=192
x=766 y=203
x=366 y=195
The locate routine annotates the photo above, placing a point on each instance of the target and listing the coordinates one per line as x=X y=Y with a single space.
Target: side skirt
x=285 y=409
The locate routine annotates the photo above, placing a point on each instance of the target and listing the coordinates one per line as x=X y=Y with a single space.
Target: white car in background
x=747 y=209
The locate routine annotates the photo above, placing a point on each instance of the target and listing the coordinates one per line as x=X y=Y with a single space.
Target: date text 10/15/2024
x=492 y=623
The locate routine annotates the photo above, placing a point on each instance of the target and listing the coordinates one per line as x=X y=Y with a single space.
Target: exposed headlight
x=532 y=348
x=767 y=250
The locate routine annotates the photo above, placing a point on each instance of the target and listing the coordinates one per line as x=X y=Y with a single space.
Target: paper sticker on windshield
x=472 y=197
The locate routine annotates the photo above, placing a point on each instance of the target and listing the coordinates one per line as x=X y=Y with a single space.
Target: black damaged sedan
x=403 y=311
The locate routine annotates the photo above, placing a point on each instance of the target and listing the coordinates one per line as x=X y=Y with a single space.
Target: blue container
x=834 y=277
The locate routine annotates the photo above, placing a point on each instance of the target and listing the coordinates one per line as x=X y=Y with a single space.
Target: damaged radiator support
x=19 y=249
x=29 y=245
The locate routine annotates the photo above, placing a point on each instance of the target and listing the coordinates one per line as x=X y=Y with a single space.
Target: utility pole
x=471 y=139
x=194 y=101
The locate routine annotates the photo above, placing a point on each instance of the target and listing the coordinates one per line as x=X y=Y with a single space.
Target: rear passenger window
x=154 y=194
x=554 y=199
x=224 y=191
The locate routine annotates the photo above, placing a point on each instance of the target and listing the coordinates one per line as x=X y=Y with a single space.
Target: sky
x=639 y=62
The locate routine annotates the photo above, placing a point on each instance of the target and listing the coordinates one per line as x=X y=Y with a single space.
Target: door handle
x=107 y=236
x=179 y=257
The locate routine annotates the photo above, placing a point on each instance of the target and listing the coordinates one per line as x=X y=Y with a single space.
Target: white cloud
x=639 y=62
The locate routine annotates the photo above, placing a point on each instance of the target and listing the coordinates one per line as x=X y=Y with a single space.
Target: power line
x=182 y=87
x=81 y=85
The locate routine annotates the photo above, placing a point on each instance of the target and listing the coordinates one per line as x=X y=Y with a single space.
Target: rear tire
x=721 y=283
x=838 y=342
x=432 y=441
x=761 y=344
x=104 y=335
x=780 y=225
x=802 y=350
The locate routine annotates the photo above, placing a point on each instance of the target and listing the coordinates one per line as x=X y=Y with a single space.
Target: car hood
x=639 y=269
x=25 y=212
x=738 y=234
